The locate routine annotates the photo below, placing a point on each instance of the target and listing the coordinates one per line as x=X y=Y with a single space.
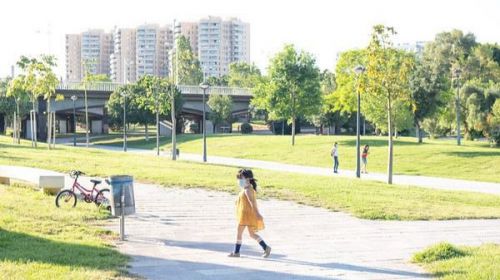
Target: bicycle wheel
x=66 y=199
x=102 y=199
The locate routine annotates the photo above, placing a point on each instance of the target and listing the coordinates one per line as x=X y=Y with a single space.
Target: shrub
x=277 y=127
x=438 y=252
x=246 y=128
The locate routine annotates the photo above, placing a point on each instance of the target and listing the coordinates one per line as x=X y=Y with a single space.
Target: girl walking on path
x=247 y=213
x=335 y=154
x=364 y=158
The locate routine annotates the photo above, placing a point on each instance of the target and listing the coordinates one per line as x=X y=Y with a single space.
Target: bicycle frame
x=86 y=192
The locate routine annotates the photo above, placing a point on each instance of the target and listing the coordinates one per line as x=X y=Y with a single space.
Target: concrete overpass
x=98 y=95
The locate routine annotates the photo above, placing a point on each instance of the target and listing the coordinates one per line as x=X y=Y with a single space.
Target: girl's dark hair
x=365 y=149
x=248 y=174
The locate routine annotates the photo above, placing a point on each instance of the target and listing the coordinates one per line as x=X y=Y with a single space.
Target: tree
x=135 y=112
x=343 y=99
x=388 y=72
x=243 y=75
x=493 y=124
x=217 y=81
x=341 y=102
x=221 y=107
x=157 y=98
x=326 y=115
x=88 y=79
x=46 y=87
x=16 y=92
x=293 y=89
x=29 y=67
x=426 y=88
x=189 y=71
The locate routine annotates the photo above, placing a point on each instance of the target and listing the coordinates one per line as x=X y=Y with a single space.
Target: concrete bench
x=48 y=181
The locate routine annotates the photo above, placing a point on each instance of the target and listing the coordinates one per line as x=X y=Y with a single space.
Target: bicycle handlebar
x=75 y=173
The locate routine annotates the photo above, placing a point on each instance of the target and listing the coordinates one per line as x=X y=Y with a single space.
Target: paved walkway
x=187 y=233
x=420 y=181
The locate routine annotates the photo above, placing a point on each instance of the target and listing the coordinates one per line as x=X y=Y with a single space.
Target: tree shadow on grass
x=21 y=247
x=470 y=154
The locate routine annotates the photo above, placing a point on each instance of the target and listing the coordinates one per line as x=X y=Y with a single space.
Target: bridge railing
x=96 y=86
x=215 y=89
x=109 y=87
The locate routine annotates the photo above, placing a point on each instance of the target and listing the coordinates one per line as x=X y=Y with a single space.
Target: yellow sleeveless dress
x=245 y=214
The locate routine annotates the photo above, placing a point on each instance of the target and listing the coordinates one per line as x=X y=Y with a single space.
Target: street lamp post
x=124 y=95
x=174 y=127
x=358 y=70
x=456 y=75
x=204 y=86
x=74 y=98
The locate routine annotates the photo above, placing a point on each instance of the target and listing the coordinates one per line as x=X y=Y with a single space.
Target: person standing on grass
x=364 y=158
x=335 y=154
x=247 y=213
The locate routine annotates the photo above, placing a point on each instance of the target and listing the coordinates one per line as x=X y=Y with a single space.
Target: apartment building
x=127 y=54
x=89 y=50
x=73 y=57
x=190 y=31
x=152 y=47
x=222 y=42
x=122 y=60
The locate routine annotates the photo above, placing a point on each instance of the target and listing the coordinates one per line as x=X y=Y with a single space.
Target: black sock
x=263 y=244
x=237 y=248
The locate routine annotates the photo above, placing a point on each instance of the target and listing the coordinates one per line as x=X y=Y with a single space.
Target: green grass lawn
x=449 y=262
x=40 y=241
x=364 y=199
x=440 y=158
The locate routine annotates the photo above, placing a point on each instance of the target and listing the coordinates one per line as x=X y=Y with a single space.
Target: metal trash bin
x=122 y=190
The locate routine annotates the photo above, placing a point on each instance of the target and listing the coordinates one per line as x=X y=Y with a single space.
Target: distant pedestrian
x=247 y=213
x=335 y=154
x=364 y=158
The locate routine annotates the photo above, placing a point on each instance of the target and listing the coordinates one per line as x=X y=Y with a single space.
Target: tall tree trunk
x=157 y=132
x=418 y=132
x=34 y=125
x=146 y=132
x=17 y=134
x=87 y=140
x=390 y=158
x=49 y=125
x=293 y=118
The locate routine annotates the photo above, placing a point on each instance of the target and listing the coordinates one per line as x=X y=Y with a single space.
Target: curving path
x=187 y=233
x=412 y=180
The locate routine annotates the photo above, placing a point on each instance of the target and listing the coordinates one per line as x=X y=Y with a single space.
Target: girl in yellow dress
x=247 y=213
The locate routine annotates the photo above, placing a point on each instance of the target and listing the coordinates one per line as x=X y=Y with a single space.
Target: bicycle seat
x=96 y=181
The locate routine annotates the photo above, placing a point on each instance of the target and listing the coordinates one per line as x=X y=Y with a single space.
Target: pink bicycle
x=68 y=198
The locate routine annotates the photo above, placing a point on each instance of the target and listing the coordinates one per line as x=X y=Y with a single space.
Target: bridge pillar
x=2 y=123
x=105 y=124
x=71 y=124
x=41 y=121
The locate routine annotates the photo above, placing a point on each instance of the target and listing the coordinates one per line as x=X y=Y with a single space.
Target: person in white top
x=335 y=154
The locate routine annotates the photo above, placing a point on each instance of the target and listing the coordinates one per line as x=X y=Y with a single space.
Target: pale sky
x=321 y=27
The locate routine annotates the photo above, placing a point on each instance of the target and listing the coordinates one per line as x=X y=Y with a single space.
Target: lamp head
x=204 y=86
